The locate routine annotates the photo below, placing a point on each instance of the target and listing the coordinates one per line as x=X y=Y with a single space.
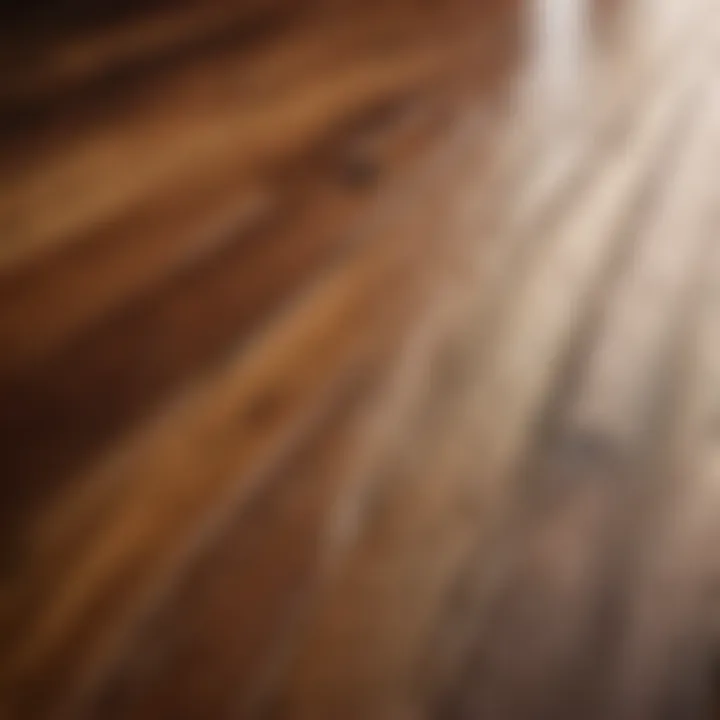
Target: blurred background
x=359 y=360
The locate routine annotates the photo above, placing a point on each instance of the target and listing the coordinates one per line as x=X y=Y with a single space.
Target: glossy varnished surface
x=359 y=360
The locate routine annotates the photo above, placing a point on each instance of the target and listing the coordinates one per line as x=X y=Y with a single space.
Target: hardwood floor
x=359 y=360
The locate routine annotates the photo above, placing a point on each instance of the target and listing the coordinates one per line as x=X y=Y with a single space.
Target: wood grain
x=358 y=360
